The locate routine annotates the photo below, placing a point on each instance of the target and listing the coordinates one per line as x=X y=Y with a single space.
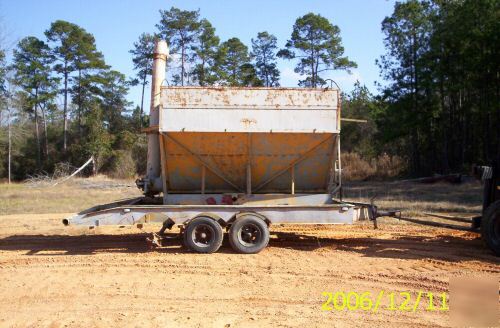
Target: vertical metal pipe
x=293 y=180
x=159 y=72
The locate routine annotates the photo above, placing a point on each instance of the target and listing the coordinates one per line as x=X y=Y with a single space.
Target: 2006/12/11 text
x=401 y=301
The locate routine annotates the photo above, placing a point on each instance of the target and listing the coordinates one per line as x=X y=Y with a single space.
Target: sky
x=116 y=24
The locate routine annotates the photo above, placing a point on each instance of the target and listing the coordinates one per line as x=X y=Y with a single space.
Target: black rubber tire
x=215 y=232
x=256 y=223
x=490 y=227
x=184 y=242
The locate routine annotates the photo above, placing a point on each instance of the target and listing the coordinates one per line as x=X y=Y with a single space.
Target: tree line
x=61 y=102
x=437 y=105
x=199 y=57
x=440 y=108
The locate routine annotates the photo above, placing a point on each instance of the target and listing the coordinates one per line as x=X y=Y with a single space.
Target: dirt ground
x=57 y=276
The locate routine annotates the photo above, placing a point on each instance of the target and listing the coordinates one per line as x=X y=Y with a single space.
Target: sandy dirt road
x=58 y=276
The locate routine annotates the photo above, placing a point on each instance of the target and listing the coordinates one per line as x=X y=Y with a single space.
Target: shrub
x=121 y=165
x=356 y=168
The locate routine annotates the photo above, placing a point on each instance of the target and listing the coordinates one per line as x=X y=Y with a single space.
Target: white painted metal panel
x=217 y=109
x=249 y=98
x=325 y=214
x=248 y=120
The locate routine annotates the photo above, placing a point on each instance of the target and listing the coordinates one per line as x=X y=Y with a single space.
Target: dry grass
x=416 y=198
x=365 y=180
x=356 y=168
x=72 y=196
x=79 y=194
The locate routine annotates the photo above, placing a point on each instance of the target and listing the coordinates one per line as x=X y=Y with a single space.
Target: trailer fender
x=212 y=216
x=260 y=216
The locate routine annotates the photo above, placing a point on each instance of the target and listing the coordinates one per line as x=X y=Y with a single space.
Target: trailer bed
x=130 y=212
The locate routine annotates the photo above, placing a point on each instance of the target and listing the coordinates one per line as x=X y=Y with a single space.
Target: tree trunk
x=94 y=166
x=65 y=124
x=313 y=79
x=416 y=146
x=316 y=71
x=182 y=65
x=142 y=101
x=445 y=129
x=266 y=73
x=37 y=131
x=46 y=141
x=9 y=155
x=202 y=73
x=313 y=82
x=80 y=103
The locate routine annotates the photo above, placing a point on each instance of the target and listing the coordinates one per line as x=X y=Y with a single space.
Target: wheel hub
x=249 y=235
x=203 y=235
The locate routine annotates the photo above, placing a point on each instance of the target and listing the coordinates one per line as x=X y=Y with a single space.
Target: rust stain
x=254 y=98
x=248 y=121
x=228 y=153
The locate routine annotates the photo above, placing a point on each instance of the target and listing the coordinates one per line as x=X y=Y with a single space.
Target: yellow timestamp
x=391 y=301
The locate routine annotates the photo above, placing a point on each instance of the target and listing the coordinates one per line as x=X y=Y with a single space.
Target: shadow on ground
x=441 y=247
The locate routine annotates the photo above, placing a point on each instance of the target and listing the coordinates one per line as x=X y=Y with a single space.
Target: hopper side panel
x=248 y=120
x=249 y=98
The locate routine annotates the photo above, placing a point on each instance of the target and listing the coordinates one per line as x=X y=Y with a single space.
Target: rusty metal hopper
x=251 y=140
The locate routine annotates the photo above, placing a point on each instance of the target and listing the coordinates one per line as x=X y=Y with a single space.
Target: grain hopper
x=235 y=158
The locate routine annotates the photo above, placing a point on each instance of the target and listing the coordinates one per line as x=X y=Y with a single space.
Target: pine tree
x=32 y=64
x=3 y=75
x=114 y=91
x=142 y=57
x=233 y=64
x=264 y=53
x=317 y=44
x=89 y=63
x=180 y=28
x=205 y=54
x=407 y=40
x=98 y=141
x=65 y=38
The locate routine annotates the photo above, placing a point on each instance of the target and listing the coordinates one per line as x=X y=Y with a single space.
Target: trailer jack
x=157 y=238
x=377 y=214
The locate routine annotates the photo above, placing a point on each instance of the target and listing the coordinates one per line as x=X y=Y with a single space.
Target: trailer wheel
x=249 y=234
x=203 y=235
x=490 y=227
